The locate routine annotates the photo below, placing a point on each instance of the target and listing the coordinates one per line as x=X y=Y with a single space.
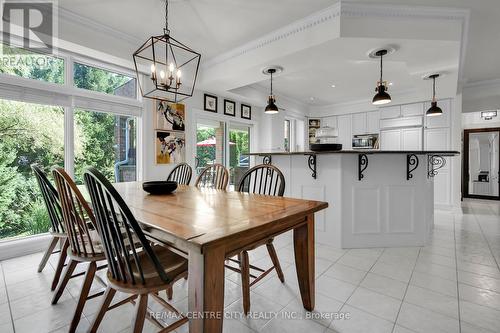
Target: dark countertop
x=363 y=151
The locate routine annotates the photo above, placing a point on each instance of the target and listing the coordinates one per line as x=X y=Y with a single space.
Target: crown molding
x=323 y=16
x=484 y=83
x=70 y=16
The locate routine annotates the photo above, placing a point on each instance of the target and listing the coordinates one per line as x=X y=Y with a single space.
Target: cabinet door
x=373 y=122
x=442 y=120
x=358 y=123
x=411 y=138
x=329 y=121
x=437 y=139
x=390 y=112
x=415 y=109
x=390 y=140
x=344 y=128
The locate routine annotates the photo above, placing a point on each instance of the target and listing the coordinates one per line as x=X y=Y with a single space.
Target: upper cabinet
x=442 y=120
x=329 y=121
x=359 y=123
x=415 y=109
x=366 y=123
x=389 y=112
x=345 y=134
x=372 y=122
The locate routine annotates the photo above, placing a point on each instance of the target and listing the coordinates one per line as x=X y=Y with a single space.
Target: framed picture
x=170 y=147
x=229 y=108
x=169 y=116
x=246 y=111
x=210 y=102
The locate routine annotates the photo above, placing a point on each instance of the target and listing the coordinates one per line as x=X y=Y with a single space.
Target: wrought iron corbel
x=434 y=163
x=311 y=163
x=362 y=165
x=411 y=165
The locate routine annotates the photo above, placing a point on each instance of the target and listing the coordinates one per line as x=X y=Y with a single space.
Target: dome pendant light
x=434 y=110
x=381 y=97
x=271 y=107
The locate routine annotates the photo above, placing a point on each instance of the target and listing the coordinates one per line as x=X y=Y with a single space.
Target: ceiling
x=215 y=27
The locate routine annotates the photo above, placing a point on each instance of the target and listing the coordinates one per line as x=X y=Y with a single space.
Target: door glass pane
x=29 y=133
x=483 y=163
x=97 y=79
x=239 y=147
x=286 y=142
x=107 y=142
x=209 y=143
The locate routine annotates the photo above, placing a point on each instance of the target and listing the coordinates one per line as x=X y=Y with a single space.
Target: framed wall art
x=229 y=108
x=169 y=116
x=170 y=147
x=210 y=103
x=246 y=111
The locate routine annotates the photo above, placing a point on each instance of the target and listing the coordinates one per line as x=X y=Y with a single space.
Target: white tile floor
x=452 y=285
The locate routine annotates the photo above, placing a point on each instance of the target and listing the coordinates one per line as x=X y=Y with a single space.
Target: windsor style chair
x=213 y=176
x=181 y=174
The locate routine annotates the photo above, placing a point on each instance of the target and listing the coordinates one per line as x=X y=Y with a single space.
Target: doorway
x=481 y=163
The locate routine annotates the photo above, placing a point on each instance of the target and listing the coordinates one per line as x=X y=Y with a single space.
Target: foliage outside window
x=27 y=64
x=29 y=133
x=101 y=80
x=107 y=142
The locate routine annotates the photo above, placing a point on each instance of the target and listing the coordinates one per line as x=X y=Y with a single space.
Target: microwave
x=368 y=141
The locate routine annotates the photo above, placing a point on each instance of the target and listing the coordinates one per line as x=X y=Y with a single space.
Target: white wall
x=474 y=120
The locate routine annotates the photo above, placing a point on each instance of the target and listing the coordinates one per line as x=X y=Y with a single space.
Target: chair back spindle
x=78 y=217
x=214 y=176
x=263 y=179
x=117 y=227
x=182 y=174
x=50 y=199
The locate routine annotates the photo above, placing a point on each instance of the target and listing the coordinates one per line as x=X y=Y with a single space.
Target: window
x=107 y=142
x=209 y=143
x=287 y=135
x=101 y=80
x=29 y=133
x=27 y=64
x=239 y=147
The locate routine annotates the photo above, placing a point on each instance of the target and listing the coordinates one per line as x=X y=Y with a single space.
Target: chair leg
x=245 y=280
x=84 y=294
x=140 y=313
x=48 y=253
x=170 y=293
x=275 y=260
x=60 y=264
x=108 y=297
x=62 y=285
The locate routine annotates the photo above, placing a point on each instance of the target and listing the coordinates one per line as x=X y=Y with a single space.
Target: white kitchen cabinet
x=345 y=133
x=437 y=138
x=359 y=123
x=401 y=122
x=372 y=122
x=442 y=120
x=390 y=139
x=442 y=186
x=415 y=109
x=401 y=139
x=389 y=112
x=329 y=121
x=411 y=138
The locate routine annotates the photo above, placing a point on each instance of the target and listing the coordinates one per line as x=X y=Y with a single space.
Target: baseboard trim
x=24 y=246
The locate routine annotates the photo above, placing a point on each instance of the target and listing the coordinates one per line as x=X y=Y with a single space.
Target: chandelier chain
x=166 y=17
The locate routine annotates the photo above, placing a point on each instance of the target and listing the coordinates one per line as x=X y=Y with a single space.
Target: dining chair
x=142 y=269
x=57 y=231
x=84 y=242
x=181 y=174
x=267 y=180
x=213 y=176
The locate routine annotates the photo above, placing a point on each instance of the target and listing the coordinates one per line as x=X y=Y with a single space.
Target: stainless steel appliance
x=367 y=141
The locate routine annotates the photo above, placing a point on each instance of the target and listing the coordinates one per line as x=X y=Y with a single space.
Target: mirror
x=483 y=163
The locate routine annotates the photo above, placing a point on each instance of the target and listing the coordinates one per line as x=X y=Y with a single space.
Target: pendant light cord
x=271 y=83
x=381 y=66
x=433 y=89
x=166 y=17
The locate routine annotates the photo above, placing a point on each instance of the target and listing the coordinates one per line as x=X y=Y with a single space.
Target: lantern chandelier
x=173 y=67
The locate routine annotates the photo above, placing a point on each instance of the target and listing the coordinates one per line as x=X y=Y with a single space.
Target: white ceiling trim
x=69 y=16
x=306 y=23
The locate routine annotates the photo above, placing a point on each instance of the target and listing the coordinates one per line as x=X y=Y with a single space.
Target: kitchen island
x=376 y=198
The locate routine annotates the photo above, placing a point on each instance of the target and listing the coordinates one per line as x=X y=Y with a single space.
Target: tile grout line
x=486 y=239
x=8 y=300
x=406 y=290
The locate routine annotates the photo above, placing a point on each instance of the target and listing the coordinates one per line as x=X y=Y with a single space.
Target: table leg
x=206 y=290
x=303 y=241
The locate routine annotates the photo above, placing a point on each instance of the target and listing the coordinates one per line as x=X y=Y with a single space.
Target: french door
x=223 y=142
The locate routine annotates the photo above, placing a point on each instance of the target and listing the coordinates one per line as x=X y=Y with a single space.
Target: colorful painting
x=170 y=116
x=170 y=147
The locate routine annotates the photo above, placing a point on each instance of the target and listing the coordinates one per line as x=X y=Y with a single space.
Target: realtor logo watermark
x=31 y=25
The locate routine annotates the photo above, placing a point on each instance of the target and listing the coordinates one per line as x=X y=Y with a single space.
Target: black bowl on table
x=159 y=187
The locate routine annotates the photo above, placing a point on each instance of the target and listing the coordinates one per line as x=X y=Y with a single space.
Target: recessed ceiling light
x=311 y=98
x=333 y=86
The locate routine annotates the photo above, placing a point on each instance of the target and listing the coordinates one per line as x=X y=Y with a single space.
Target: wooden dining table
x=208 y=226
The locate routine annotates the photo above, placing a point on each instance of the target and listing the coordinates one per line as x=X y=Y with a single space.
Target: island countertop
x=362 y=151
